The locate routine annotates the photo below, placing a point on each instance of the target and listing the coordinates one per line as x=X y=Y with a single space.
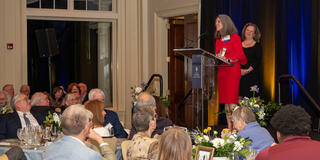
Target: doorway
x=182 y=33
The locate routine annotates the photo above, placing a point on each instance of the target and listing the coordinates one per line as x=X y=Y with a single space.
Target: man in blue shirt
x=245 y=123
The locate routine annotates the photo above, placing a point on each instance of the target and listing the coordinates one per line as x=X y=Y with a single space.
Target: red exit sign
x=9 y=46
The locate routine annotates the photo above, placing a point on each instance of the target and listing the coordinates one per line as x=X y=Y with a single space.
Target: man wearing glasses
x=20 y=118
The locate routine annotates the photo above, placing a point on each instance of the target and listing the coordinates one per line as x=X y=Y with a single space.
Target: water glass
x=47 y=133
x=253 y=153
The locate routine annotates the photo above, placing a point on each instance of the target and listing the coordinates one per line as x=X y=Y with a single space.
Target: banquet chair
x=124 y=147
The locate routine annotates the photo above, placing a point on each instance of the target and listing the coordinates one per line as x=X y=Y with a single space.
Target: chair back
x=124 y=147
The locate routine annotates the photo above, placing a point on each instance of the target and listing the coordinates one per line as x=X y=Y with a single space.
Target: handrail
x=287 y=76
x=181 y=103
x=151 y=79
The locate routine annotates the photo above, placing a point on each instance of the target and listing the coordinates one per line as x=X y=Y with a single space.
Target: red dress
x=229 y=77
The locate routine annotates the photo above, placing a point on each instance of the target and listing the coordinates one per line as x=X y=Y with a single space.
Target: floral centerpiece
x=262 y=111
x=225 y=146
x=136 y=90
x=6 y=110
x=53 y=120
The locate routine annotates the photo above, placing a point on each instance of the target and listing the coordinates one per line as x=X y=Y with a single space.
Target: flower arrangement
x=262 y=111
x=5 y=110
x=225 y=146
x=136 y=90
x=53 y=120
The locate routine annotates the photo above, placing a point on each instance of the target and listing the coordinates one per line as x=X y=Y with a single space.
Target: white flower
x=217 y=142
x=250 y=103
x=138 y=90
x=261 y=114
x=56 y=118
x=237 y=146
x=206 y=138
x=256 y=105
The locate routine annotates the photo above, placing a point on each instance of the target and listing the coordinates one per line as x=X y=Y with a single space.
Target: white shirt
x=32 y=120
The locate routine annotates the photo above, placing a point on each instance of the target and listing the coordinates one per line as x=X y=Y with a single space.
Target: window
x=100 y=5
x=48 y=4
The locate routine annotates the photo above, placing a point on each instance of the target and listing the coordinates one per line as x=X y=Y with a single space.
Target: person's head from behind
x=9 y=89
x=144 y=120
x=3 y=98
x=224 y=26
x=39 y=99
x=73 y=88
x=96 y=107
x=241 y=117
x=291 y=120
x=251 y=31
x=96 y=94
x=73 y=98
x=146 y=99
x=25 y=89
x=76 y=120
x=175 y=144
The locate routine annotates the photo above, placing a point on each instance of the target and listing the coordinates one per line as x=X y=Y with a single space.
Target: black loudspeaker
x=47 y=42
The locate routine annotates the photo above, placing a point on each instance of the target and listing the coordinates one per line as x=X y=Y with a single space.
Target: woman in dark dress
x=250 y=72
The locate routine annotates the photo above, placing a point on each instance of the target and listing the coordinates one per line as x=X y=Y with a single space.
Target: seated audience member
x=293 y=125
x=4 y=101
x=40 y=104
x=20 y=118
x=25 y=89
x=57 y=100
x=9 y=89
x=111 y=116
x=73 y=88
x=77 y=127
x=144 y=120
x=145 y=99
x=71 y=99
x=83 y=92
x=175 y=144
x=245 y=123
x=14 y=153
x=96 y=107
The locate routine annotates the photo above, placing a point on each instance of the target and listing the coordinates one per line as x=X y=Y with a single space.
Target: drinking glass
x=253 y=153
x=20 y=135
x=47 y=133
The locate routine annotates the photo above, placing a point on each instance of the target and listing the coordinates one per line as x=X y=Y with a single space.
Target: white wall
x=12 y=69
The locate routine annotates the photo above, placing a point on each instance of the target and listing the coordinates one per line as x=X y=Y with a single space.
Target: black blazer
x=10 y=123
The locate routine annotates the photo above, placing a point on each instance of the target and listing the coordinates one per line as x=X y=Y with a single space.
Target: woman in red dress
x=228 y=43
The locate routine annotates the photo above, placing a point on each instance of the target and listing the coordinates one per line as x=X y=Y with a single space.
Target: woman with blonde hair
x=228 y=47
x=250 y=73
x=175 y=144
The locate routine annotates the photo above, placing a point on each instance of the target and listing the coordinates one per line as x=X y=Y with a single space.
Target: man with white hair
x=40 y=104
x=110 y=117
x=76 y=123
x=146 y=99
x=20 y=118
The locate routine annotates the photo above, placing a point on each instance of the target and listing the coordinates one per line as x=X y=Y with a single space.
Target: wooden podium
x=205 y=104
